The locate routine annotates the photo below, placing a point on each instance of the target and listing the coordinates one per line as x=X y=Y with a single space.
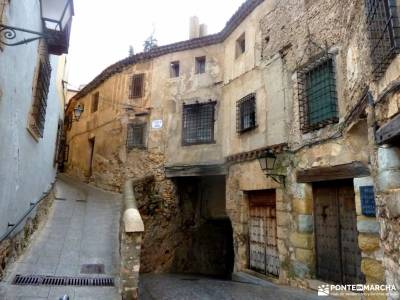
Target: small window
x=200 y=65
x=136 y=136
x=95 y=102
x=198 y=123
x=137 y=86
x=246 y=113
x=384 y=33
x=174 y=69
x=41 y=91
x=317 y=95
x=240 y=45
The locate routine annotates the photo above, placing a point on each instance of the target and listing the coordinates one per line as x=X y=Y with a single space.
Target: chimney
x=194 y=27
x=203 y=30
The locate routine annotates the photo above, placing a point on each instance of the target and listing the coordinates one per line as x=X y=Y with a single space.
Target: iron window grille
x=200 y=65
x=40 y=94
x=384 y=33
x=174 y=69
x=317 y=94
x=198 y=123
x=246 y=113
x=95 y=102
x=136 y=136
x=137 y=86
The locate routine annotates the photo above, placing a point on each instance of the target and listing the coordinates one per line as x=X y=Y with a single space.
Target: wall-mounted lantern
x=267 y=160
x=78 y=110
x=56 y=18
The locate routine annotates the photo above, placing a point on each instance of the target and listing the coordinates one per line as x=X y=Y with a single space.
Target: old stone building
x=309 y=85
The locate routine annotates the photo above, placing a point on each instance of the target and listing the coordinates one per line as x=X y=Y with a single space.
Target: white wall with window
x=27 y=167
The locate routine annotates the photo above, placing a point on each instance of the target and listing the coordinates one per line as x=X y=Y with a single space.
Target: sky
x=103 y=30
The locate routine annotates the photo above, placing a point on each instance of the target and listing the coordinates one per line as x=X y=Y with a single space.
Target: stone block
x=302 y=206
x=393 y=204
x=282 y=232
x=282 y=218
x=388 y=179
x=373 y=269
x=282 y=248
x=301 y=240
x=305 y=256
x=305 y=223
x=300 y=269
x=389 y=158
x=368 y=243
x=368 y=226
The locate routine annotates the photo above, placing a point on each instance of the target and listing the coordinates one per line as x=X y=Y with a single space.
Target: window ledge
x=33 y=134
x=198 y=143
x=247 y=130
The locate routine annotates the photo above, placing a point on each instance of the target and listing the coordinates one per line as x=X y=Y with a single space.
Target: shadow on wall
x=208 y=248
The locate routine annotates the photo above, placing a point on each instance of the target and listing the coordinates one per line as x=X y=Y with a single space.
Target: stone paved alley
x=82 y=229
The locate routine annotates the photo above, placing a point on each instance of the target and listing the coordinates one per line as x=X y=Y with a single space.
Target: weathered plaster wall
x=26 y=165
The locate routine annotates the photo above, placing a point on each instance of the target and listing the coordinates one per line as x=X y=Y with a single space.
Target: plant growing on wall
x=150 y=43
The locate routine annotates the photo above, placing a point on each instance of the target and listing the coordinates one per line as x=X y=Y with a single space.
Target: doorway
x=263 y=251
x=91 y=154
x=336 y=236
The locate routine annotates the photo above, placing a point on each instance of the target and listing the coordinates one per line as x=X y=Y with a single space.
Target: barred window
x=384 y=33
x=198 y=123
x=38 y=112
x=317 y=94
x=136 y=89
x=136 y=136
x=95 y=102
x=200 y=65
x=246 y=113
x=174 y=69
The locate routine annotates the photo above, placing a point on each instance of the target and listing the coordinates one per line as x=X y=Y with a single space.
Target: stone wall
x=12 y=247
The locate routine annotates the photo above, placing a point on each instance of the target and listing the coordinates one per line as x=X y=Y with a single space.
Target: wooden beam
x=388 y=132
x=346 y=171
x=195 y=170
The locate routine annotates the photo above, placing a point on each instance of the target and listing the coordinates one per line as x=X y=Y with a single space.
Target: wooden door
x=338 y=255
x=264 y=256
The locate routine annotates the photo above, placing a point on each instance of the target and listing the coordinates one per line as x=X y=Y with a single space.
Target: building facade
x=32 y=99
x=309 y=84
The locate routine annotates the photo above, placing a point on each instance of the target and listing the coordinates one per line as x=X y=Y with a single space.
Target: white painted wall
x=26 y=166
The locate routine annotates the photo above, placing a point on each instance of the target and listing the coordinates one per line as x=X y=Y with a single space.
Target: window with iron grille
x=198 y=123
x=384 y=33
x=246 y=113
x=200 y=65
x=317 y=94
x=174 y=69
x=136 y=136
x=137 y=86
x=38 y=112
x=95 y=102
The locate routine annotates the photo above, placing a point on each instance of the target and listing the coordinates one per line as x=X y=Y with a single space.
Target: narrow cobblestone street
x=82 y=229
x=185 y=287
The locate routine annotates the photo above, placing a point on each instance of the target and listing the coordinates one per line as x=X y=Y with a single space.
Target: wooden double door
x=263 y=251
x=338 y=254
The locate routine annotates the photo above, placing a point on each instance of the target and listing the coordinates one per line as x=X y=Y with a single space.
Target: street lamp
x=56 y=18
x=78 y=110
x=267 y=160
